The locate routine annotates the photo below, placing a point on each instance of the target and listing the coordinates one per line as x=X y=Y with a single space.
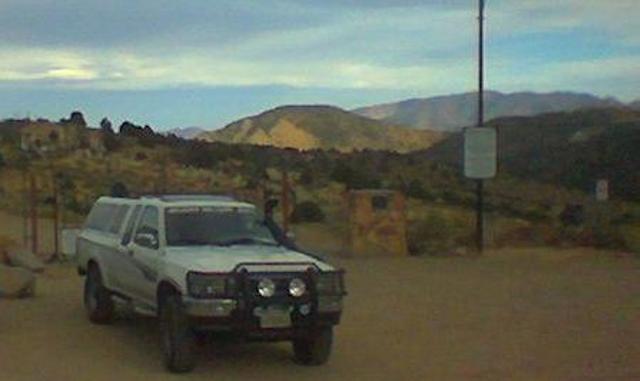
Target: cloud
x=114 y=70
x=616 y=76
x=359 y=44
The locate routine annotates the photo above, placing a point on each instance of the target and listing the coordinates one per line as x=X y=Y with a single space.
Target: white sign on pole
x=602 y=190
x=480 y=152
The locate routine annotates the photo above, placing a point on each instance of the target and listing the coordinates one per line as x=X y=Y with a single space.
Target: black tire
x=97 y=299
x=315 y=348
x=178 y=338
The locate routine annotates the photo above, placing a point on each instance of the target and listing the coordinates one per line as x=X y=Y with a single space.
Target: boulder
x=16 y=282
x=25 y=259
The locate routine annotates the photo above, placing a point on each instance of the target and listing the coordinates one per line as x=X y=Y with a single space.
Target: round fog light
x=297 y=287
x=266 y=288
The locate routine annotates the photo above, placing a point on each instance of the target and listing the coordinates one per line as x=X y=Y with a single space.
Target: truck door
x=145 y=255
x=123 y=265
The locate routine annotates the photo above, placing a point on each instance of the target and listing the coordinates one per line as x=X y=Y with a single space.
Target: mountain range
x=453 y=112
x=403 y=126
x=187 y=132
x=321 y=127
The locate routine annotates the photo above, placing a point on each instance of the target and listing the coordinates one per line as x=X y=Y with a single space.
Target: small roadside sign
x=602 y=190
x=480 y=152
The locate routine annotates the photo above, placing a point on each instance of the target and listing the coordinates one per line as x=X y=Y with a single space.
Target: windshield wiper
x=247 y=241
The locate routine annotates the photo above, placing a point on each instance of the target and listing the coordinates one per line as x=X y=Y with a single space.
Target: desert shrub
x=631 y=237
x=119 y=189
x=75 y=206
x=355 y=177
x=532 y=212
x=572 y=215
x=437 y=235
x=140 y=156
x=307 y=178
x=416 y=189
x=604 y=237
x=598 y=227
x=530 y=234
x=457 y=198
x=307 y=211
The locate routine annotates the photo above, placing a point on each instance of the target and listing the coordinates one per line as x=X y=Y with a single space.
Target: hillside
x=324 y=127
x=557 y=149
x=570 y=149
x=452 y=112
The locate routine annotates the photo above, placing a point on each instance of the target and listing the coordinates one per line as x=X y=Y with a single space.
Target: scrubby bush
x=306 y=177
x=307 y=211
x=529 y=234
x=416 y=189
x=631 y=237
x=141 y=156
x=438 y=235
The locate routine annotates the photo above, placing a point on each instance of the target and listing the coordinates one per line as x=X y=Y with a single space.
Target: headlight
x=209 y=285
x=266 y=288
x=330 y=283
x=297 y=287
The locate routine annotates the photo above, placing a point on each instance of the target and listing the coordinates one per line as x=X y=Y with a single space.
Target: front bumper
x=245 y=318
x=214 y=308
x=279 y=316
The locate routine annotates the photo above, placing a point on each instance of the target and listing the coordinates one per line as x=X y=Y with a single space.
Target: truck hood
x=225 y=259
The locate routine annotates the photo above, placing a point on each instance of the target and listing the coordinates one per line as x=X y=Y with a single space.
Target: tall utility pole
x=480 y=183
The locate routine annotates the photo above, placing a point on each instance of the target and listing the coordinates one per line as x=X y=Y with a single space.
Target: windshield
x=195 y=226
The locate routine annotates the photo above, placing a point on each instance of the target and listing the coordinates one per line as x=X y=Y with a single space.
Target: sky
x=206 y=63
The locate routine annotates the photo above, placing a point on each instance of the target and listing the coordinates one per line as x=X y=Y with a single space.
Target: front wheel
x=315 y=348
x=178 y=338
x=97 y=299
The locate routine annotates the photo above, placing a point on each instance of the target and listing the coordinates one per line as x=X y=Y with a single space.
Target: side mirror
x=270 y=205
x=147 y=240
x=291 y=236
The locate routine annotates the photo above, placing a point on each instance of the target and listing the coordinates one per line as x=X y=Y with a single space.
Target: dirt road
x=517 y=315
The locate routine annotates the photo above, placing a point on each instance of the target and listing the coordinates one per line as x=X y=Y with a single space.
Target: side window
x=100 y=217
x=147 y=232
x=128 y=233
x=117 y=218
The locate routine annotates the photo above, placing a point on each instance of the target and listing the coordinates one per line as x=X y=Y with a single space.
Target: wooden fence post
x=34 y=213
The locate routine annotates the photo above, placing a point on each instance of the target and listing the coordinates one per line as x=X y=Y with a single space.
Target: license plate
x=274 y=317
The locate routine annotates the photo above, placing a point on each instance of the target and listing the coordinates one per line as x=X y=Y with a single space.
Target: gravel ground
x=537 y=314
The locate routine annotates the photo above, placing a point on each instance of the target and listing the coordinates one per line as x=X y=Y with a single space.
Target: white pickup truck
x=206 y=263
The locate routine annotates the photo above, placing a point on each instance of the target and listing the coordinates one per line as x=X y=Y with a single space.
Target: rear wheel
x=315 y=348
x=97 y=299
x=178 y=338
